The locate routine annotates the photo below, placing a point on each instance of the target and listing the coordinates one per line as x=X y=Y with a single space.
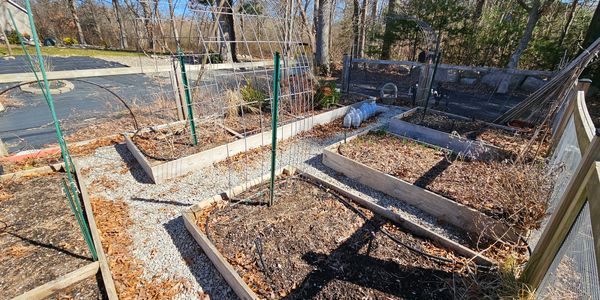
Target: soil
x=310 y=244
x=39 y=238
x=515 y=193
x=513 y=142
x=176 y=142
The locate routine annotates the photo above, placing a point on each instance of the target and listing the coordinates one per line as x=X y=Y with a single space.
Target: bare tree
x=322 y=38
x=122 y=37
x=535 y=10
x=303 y=15
x=73 y=9
x=147 y=23
x=355 y=27
x=363 y=29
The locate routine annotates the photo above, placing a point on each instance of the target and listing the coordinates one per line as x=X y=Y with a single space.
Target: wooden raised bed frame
x=84 y=272
x=473 y=149
x=241 y=288
x=159 y=172
x=446 y=210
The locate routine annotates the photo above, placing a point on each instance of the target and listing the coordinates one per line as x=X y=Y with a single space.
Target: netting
x=573 y=273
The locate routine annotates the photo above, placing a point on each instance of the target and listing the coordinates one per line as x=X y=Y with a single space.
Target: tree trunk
x=96 y=23
x=122 y=37
x=322 y=38
x=534 y=16
x=309 y=31
x=315 y=15
x=73 y=10
x=374 y=8
x=148 y=24
x=593 y=32
x=363 y=29
x=570 y=15
x=355 y=27
x=227 y=26
x=389 y=34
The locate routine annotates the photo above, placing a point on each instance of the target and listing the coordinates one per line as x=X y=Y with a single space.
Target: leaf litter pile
x=514 y=142
x=310 y=244
x=40 y=240
x=515 y=193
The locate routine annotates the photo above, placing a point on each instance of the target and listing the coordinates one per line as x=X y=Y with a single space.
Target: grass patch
x=55 y=51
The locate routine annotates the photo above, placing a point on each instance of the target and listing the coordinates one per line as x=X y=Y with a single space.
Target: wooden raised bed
x=46 y=244
x=446 y=210
x=229 y=273
x=160 y=171
x=473 y=149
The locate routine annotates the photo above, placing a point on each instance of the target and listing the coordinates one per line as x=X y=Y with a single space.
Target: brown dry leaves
x=516 y=193
x=112 y=218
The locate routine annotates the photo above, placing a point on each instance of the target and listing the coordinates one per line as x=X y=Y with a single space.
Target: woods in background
x=526 y=34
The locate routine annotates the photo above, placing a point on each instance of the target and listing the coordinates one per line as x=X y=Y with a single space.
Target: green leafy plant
x=253 y=98
x=327 y=95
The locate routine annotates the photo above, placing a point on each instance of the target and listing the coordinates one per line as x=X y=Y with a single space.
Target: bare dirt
x=309 y=244
x=513 y=142
x=176 y=142
x=515 y=193
x=40 y=239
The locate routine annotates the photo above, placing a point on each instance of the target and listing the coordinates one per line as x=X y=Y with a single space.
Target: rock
x=532 y=84
x=468 y=81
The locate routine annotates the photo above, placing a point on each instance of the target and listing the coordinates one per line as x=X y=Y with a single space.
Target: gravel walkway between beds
x=160 y=239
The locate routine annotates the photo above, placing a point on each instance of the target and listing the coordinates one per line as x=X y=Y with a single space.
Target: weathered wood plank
x=562 y=218
x=109 y=284
x=234 y=280
x=60 y=283
x=407 y=224
x=438 y=206
x=166 y=170
x=584 y=126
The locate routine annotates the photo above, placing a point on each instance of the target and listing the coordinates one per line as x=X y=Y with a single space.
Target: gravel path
x=161 y=241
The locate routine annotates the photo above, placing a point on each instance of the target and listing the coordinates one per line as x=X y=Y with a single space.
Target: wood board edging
x=107 y=279
x=241 y=288
x=447 y=210
x=161 y=172
x=60 y=283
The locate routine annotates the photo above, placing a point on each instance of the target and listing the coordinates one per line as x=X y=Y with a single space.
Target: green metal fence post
x=188 y=97
x=274 y=114
x=61 y=141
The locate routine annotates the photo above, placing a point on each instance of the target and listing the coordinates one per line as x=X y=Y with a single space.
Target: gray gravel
x=161 y=241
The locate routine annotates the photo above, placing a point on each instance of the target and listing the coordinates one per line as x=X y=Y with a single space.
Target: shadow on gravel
x=167 y=202
x=134 y=167
x=197 y=262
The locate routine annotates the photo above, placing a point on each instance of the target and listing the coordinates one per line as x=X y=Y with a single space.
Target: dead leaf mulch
x=40 y=239
x=112 y=219
x=310 y=245
x=515 y=193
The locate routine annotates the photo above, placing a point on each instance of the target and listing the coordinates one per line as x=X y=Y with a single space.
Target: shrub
x=327 y=95
x=253 y=98
x=70 y=41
